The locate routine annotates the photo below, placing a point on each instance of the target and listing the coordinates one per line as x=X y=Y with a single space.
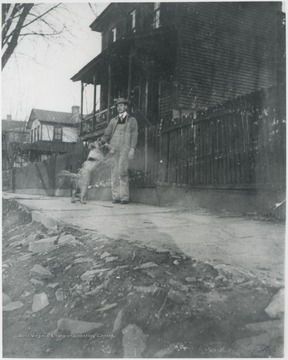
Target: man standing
x=122 y=134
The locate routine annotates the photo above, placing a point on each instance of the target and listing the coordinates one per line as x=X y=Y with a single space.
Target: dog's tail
x=67 y=174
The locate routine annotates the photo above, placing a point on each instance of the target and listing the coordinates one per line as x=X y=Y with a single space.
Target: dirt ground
x=146 y=303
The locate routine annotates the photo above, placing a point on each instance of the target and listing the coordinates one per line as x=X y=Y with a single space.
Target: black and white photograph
x=143 y=179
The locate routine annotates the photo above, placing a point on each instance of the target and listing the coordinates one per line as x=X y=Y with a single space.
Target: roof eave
x=85 y=69
x=97 y=23
x=30 y=120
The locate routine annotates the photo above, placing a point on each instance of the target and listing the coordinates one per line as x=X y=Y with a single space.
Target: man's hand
x=91 y=146
x=131 y=154
x=101 y=141
x=109 y=147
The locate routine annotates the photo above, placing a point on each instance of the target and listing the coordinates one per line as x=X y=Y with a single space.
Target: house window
x=156 y=19
x=133 y=20
x=38 y=133
x=34 y=135
x=58 y=133
x=31 y=136
x=114 y=34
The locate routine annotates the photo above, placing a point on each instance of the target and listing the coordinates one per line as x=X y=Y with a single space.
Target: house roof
x=159 y=42
x=110 y=10
x=94 y=66
x=48 y=116
x=14 y=126
x=94 y=70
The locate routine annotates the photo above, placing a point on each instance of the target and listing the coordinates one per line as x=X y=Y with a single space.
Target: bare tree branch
x=41 y=34
x=40 y=16
x=35 y=19
x=91 y=7
x=11 y=12
x=51 y=27
x=14 y=39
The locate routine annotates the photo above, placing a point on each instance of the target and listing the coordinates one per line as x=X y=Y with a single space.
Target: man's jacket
x=131 y=127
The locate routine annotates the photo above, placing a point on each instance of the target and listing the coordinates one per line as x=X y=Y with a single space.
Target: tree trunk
x=14 y=40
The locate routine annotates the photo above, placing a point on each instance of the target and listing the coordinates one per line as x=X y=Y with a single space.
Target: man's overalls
x=119 y=167
x=123 y=137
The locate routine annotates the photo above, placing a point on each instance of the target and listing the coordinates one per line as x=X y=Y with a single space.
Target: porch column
x=146 y=96
x=146 y=153
x=146 y=113
x=130 y=73
x=159 y=96
x=81 y=114
x=109 y=92
x=94 y=102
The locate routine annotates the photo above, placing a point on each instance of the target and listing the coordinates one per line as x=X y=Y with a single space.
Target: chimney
x=76 y=112
x=9 y=117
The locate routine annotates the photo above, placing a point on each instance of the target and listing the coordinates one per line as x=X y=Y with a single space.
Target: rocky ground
x=73 y=293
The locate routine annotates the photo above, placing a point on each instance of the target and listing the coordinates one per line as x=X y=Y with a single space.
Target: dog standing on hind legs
x=81 y=180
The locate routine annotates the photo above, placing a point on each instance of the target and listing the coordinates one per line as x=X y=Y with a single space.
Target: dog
x=81 y=180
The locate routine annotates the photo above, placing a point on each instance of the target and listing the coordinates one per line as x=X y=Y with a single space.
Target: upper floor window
x=58 y=133
x=113 y=34
x=156 y=19
x=133 y=20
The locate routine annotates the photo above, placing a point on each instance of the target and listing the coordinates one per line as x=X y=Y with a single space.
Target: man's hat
x=121 y=101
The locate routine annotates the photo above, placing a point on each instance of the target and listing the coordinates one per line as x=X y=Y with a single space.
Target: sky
x=38 y=75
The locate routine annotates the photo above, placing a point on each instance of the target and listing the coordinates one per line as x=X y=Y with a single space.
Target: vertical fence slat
x=206 y=157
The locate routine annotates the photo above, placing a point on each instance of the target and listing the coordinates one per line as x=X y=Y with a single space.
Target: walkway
x=250 y=245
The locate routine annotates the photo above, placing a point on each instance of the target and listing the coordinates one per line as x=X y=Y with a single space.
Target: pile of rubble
x=86 y=296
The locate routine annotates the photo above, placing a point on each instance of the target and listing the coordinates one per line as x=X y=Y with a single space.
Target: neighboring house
x=14 y=134
x=52 y=133
x=172 y=59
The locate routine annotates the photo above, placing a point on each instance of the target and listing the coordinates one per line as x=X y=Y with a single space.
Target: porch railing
x=98 y=121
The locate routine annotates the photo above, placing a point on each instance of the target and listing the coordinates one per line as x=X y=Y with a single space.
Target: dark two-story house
x=172 y=59
x=14 y=135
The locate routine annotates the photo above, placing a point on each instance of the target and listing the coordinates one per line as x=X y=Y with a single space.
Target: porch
x=136 y=68
x=93 y=125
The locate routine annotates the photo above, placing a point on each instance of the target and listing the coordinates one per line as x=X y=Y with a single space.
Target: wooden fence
x=238 y=144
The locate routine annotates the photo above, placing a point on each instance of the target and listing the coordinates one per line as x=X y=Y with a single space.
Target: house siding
x=120 y=19
x=168 y=95
x=69 y=135
x=47 y=132
x=120 y=22
x=225 y=50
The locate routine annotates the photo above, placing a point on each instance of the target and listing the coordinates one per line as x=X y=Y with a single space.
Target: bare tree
x=20 y=20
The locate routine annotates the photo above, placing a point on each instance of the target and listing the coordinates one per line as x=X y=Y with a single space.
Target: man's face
x=121 y=108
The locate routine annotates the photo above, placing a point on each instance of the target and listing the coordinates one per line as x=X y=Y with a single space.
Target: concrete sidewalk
x=248 y=245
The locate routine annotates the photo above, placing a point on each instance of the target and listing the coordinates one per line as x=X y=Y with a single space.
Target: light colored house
x=52 y=132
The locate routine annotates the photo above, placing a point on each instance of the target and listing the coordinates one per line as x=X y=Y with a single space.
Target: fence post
x=81 y=108
x=94 y=102
x=13 y=179
x=146 y=153
x=109 y=93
